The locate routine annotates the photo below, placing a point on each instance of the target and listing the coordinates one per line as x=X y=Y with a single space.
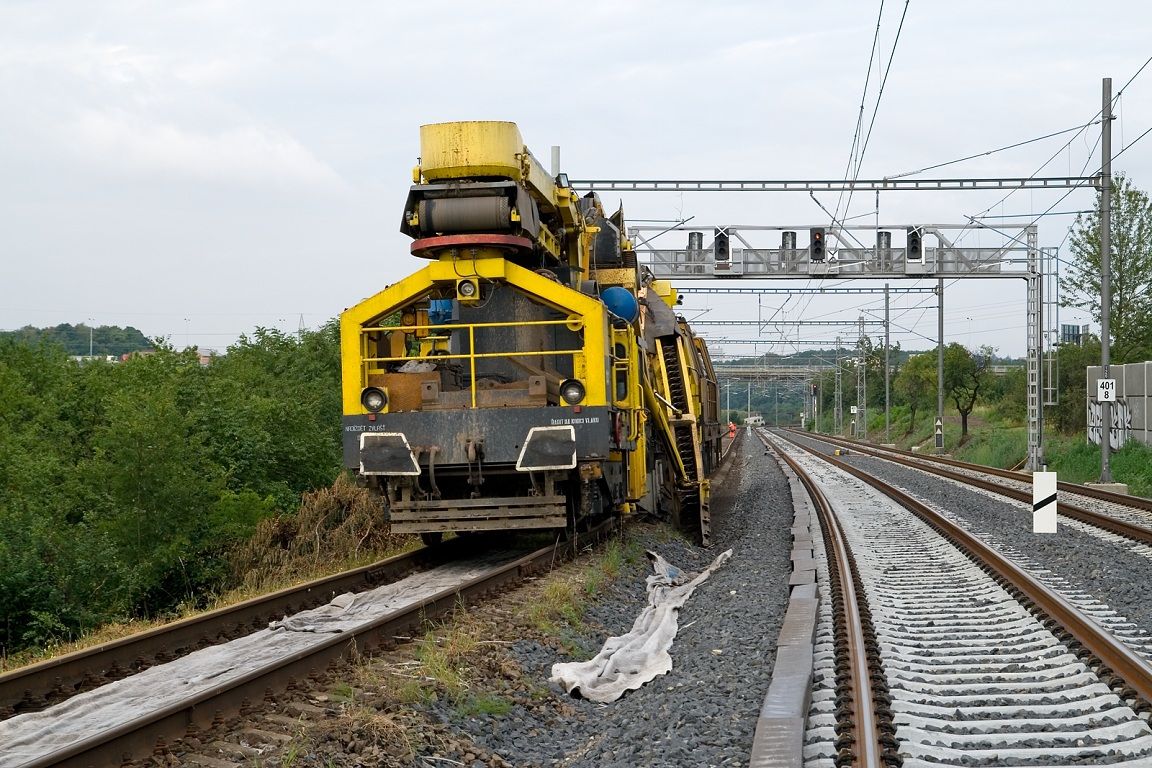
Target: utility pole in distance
x=887 y=369
x=1105 y=275
x=940 y=366
x=839 y=416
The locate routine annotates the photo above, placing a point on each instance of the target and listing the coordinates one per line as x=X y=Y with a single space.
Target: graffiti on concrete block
x=1121 y=419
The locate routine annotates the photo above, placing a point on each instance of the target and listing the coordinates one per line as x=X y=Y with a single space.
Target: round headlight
x=572 y=391
x=374 y=399
x=466 y=288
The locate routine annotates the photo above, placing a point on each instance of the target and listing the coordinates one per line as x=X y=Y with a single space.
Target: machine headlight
x=374 y=399
x=467 y=290
x=572 y=391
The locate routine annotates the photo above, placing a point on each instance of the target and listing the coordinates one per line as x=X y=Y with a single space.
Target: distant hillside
x=105 y=339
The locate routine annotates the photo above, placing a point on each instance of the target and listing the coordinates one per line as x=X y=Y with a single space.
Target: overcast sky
x=200 y=169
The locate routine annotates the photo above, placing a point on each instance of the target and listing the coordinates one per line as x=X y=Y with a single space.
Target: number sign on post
x=1106 y=390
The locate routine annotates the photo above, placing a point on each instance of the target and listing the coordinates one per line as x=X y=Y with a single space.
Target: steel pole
x=1106 y=277
x=887 y=370
x=940 y=363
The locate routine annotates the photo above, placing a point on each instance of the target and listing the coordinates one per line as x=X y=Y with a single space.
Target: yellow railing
x=573 y=323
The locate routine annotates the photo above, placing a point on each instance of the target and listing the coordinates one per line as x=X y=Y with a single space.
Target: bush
x=126 y=486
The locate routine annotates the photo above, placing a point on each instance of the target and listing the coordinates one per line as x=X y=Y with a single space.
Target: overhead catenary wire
x=1027 y=215
x=977 y=221
x=863 y=100
x=879 y=96
x=1093 y=121
x=1077 y=128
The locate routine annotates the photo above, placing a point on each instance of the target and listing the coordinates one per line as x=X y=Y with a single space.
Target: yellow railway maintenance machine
x=531 y=376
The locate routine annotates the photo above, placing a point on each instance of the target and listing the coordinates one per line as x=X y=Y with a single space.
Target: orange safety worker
x=731 y=430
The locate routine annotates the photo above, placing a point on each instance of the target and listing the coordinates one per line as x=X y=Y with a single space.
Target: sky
x=201 y=169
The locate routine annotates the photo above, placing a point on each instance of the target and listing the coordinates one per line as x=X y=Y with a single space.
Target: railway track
x=1077 y=489
x=154 y=710
x=38 y=686
x=862 y=718
x=1126 y=516
x=984 y=663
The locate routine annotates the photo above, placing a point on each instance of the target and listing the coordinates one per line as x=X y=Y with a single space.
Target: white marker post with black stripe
x=1043 y=502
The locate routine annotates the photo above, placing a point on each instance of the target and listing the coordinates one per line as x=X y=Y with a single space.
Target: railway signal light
x=816 y=244
x=720 y=244
x=884 y=249
x=915 y=250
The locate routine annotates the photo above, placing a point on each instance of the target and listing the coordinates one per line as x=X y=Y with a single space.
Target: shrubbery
x=125 y=487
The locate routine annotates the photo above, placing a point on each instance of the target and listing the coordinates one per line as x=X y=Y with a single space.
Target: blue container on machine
x=621 y=303
x=440 y=311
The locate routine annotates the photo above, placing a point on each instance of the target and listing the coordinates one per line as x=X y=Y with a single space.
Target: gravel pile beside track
x=1114 y=571
x=704 y=711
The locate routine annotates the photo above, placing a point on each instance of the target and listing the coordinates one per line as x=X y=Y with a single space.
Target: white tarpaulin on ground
x=629 y=661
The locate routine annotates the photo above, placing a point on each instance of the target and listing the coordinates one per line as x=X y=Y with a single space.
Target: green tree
x=1008 y=394
x=1069 y=414
x=915 y=384
x=965 y=377
x=79 y=339
x=1131 y=259
x=123 y=486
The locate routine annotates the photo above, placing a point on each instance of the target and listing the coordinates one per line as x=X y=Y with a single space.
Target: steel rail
x=1121 y=660
x=155 y=731
x=865 y=740
x=40 y=685
x=1098 y=519
x=1137 y=502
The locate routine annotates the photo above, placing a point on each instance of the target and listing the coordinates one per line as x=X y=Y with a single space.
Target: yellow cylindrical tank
x=470 y=149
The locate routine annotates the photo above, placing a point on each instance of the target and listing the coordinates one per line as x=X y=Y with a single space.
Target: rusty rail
x=1137 y=502
x=152 y=734
x=37 y=686
x=1120 y=527
x=859 y=743
x=1134 y=672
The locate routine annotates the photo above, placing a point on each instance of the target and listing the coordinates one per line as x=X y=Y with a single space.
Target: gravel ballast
x=704 y=711
x=398 y=710
x=1114 y=571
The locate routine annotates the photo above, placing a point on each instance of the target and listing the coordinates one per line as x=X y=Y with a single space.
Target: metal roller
x=465 y=214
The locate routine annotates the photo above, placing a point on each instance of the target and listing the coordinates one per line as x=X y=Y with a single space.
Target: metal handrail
x=571 y=322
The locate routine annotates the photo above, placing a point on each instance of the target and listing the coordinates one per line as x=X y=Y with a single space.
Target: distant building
x=81 y=359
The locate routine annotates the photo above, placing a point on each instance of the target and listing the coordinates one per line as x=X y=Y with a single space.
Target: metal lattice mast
x=1034 y=353
x=1050 y=293
x=887 y=371
x=940 y=367
x=860 y=363
x=839 y=398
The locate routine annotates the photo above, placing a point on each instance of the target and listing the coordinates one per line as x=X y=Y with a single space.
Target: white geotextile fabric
x=629 y=661
x=25 y=737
